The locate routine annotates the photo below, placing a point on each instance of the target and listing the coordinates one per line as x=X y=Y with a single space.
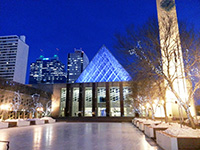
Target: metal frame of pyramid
x=104 y=67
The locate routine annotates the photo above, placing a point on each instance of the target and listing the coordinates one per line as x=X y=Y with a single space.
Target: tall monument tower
x=172 y=58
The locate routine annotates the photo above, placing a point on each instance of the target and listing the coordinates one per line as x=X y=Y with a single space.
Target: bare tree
x=16 y=103
x=144 y=44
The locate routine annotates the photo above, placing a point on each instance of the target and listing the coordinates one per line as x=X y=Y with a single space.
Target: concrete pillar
x=121 y=98
x=71 y=101
x=94 y=100
x=68 y=97
x=81 y=99
x=107 y=99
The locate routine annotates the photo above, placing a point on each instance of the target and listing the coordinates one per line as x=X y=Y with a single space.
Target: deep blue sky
x=86 y=24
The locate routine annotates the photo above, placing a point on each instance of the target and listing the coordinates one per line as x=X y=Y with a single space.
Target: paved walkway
x=77 y=136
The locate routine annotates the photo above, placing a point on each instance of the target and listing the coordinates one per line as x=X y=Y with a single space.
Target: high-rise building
x=47 y=70
x=13 y=58
x=77 y=62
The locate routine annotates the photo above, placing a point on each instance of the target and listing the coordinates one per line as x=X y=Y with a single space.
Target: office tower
x=77 y=62
x=13 y=58
x=47 y=71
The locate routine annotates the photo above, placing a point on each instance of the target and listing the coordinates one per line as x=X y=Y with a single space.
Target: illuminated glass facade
x=47 y=70
x=88 y=102
x=103 y=99
x=104 y=68
x=77 y=62
x=128 y=102
x=62 y=102
x=115 y=101
x=75 y=102
x=102 y=89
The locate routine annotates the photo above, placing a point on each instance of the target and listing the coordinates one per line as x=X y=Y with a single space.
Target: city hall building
x=102 y=89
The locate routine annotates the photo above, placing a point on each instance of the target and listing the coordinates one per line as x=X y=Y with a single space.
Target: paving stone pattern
x=77 y=136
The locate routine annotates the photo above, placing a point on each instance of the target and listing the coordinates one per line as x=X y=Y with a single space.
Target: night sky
x=88 y=24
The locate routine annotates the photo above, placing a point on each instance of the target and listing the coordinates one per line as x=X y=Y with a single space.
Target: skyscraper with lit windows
x=13 y=58
x=76 y=63
x=47 y=71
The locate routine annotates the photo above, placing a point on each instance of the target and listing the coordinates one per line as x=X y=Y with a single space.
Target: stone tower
x=172 y=59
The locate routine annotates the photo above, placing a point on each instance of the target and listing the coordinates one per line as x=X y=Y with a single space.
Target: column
x=71 y=101
x=81 y=99
x=121 y=98
x=68 y=97
x=107 y=99
x=94 y=100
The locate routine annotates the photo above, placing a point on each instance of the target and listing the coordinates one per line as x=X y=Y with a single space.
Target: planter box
x=137 y=123
x=3 y=125
x=17 y=123
x=48 y=119
x=151 y=131
x=36 y=121
x=142 y=125
x=169 y=142
x=134 y=121
x=148 y=130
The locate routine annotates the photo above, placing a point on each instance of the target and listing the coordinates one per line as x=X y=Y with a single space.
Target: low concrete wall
x=96 y=119
x=148 y=131
x=170 y=142
x=165 y=141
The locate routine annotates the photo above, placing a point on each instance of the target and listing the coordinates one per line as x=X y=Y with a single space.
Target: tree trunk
x=153 y=116
x=15 y=114
x=189 y=115
x=165 y=111
x=30 y=115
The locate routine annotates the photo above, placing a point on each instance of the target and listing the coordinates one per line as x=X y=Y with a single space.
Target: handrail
x=8 y=142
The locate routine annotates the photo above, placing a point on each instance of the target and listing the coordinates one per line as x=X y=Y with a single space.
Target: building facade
x=13 y=58
x=76 y=63
x=101 y=90
x=102 y=99
x=47 y=71
x=22 y=99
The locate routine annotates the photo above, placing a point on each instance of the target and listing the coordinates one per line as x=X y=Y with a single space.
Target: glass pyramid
x=104 y=68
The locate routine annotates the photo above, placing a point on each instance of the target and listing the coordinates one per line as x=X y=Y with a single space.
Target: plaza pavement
x=77 y=136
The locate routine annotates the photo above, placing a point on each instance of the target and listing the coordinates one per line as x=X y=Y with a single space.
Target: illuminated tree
x=16 y=103
x=144 y=44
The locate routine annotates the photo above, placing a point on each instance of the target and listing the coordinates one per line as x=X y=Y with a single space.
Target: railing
x=6 y=144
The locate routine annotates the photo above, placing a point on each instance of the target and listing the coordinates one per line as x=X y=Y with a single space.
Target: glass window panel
x=88 y=102
x=115 y=101
x=101 y=101
x=75 y=102
x=128 y=102
x=62 y=102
